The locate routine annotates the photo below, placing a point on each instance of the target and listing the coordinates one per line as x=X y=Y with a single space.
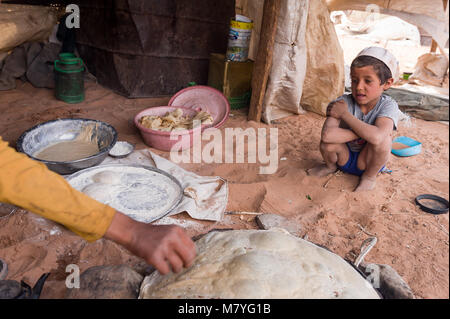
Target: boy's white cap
x=386 y=57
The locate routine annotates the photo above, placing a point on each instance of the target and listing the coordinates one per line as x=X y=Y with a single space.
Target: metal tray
x=176 y=201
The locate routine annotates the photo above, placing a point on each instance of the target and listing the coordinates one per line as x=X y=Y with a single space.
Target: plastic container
x=239 y=39
x=406 y=75
x=191 y=100
x=204 y=98
x=69 y=81
x=121 y=149
x=413 y=147
x=162 y=140
x=233 y=79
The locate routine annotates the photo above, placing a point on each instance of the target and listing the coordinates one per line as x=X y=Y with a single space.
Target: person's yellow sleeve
x=31 y=185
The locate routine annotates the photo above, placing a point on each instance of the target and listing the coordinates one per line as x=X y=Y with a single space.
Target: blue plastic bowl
x=414 y=148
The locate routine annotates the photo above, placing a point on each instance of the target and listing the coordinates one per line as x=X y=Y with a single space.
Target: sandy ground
x=416 y=244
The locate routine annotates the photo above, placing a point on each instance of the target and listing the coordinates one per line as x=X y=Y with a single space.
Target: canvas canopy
x=430 y=15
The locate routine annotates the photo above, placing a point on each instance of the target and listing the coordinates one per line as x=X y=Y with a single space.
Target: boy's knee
x=384 y=146
x=327 y=147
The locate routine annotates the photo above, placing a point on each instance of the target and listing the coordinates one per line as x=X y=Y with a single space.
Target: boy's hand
x=337 y=109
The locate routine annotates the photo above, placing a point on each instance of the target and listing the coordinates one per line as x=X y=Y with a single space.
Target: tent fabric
x=32 y=61
x=423 y=102
x=380 y=28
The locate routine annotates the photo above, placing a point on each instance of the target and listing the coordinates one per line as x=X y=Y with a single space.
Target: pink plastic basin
x=204 y=98
x=162 y=140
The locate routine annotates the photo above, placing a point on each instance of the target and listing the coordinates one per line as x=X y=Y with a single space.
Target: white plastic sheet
x=285 y=84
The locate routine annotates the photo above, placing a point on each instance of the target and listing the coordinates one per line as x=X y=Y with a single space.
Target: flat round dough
x=258 y=264
x=103 y=193
x=107 y=177
x=139 y=192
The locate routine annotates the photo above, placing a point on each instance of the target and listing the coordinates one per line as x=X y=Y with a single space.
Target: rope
x=366 y=246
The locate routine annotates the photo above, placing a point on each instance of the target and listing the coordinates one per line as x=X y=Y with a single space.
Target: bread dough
x=101 y=192
x=107 y=177
x=258 y=264
x=175 y=121
x=140 y=193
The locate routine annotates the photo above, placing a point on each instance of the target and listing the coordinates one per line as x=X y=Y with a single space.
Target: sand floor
x=414 y=243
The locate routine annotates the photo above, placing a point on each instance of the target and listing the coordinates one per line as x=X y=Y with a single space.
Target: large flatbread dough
x=254 y=264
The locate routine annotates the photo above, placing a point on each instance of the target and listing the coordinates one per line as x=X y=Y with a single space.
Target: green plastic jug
x=69 y=80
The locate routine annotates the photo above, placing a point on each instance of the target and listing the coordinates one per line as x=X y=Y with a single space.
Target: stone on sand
x=392 y=285
x=268 y=221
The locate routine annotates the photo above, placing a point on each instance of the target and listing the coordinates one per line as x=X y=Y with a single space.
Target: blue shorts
x=351 y=167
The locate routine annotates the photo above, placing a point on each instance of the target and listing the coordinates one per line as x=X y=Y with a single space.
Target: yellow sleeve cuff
x=31 y=185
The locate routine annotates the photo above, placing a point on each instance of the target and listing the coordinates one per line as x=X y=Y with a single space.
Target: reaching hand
x=337 y=109
x=166 y=247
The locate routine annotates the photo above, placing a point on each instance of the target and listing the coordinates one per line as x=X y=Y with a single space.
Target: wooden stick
x=263 y=63
x=434 y=44
x=337 y=173
x=243 y=213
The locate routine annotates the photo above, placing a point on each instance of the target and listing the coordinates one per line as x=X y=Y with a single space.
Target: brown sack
x=22 y=23
x=430 y=68
x=325 y=78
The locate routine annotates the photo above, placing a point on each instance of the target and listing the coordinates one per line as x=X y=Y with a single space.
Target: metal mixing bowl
x=63 y=130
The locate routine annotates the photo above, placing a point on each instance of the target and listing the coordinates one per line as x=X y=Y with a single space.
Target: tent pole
x=263 y=61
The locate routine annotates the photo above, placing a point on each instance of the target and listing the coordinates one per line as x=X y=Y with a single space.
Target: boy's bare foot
x=321 y=170
x=366 y=184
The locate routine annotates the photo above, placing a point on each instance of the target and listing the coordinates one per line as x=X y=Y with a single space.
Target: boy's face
x=367 y=87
